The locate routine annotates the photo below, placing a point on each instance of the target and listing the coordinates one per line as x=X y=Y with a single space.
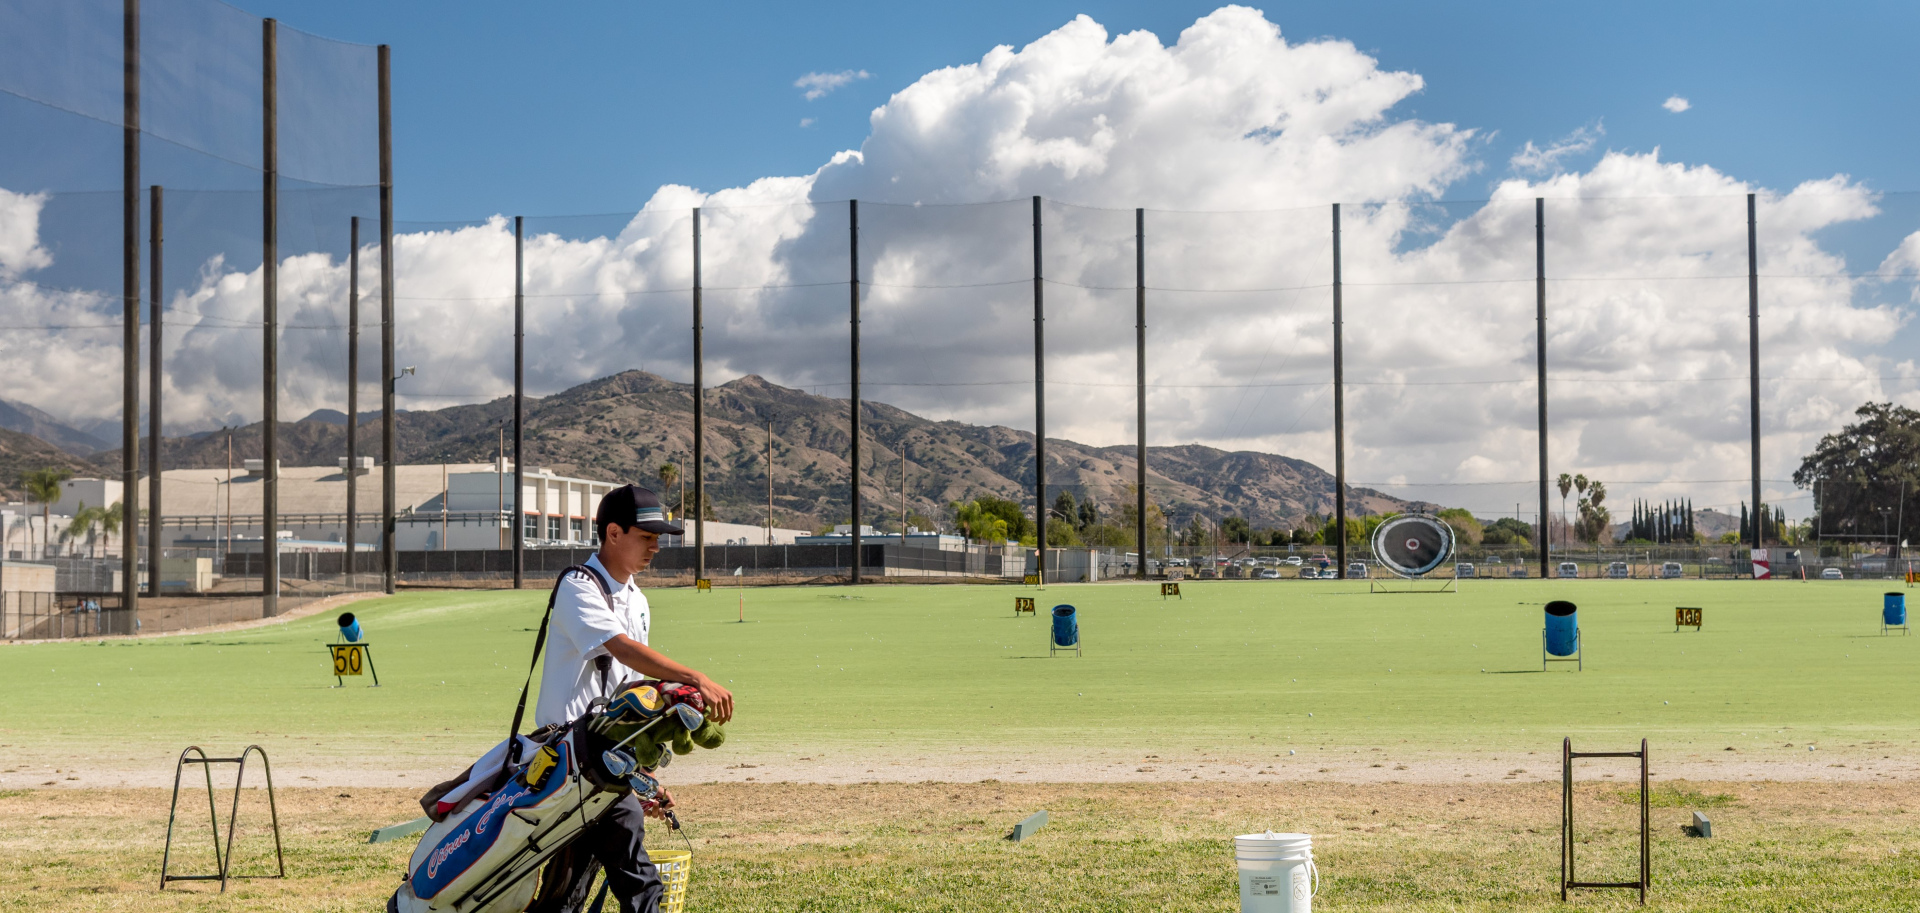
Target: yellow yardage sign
x=1686 y=616
x=348 y=659
x=703 y=584
x=1030 y=580
x=1023 y=604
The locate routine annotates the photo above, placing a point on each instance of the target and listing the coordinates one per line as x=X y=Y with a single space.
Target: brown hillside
x=23 y=453
x=625 y=426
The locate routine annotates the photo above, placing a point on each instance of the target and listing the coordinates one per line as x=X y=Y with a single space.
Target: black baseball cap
x=631 y=505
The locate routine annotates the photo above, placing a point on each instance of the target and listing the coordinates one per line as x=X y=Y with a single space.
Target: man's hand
x=647 y=661
x=662 y=801
x=719 y=700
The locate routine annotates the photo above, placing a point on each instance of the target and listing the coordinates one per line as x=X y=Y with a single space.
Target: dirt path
x=1854 y=764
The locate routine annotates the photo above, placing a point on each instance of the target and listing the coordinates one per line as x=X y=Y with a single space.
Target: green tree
x=669 y=476
x=1236 y=529
x=86 y=519
x=1465 y=527
x=1594 y=516
x=1064 y=508
x=1864 y=467
x=1130 y=522
x=1507 y=531
x=44 y=486
x=976 y=518
x=82 y=524
x=1565 y=484
x=1359 y=529
x=1089 y=514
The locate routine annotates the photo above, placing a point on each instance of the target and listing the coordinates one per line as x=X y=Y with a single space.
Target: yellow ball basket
x=674 y=866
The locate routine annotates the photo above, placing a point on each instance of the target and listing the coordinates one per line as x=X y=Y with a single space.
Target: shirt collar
x=601 y=569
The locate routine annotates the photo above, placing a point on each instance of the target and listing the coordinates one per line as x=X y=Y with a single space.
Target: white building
x=437 y=507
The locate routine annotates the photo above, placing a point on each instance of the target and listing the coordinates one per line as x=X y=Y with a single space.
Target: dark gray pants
x=617 y=840
x=614 y=844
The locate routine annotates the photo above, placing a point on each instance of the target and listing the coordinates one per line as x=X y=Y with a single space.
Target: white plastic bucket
x=1277 y=874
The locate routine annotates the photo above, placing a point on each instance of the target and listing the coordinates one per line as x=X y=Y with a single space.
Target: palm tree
x=1566 y=485
x=110 y=519
x=84 y=520
x=44 y=485
x=670 y=473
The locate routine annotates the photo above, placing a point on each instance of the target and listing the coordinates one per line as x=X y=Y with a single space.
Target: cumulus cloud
x=1533 y=159
x=1235 y=140
x=819 y=85
x=20 y=249
x=1676 y=104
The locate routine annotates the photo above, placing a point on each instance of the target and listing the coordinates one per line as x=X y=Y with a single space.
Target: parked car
x=1672 y=570
x=1269 y=574
x=1176 y=562
x=1618 y=570
x=1295 y=560
x=1463 y=569
x=1832 y=573
x=1357 y=569
x=1517 y=572
x=1567 y=569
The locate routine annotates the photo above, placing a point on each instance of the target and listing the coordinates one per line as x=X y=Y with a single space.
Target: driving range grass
x=1233 y=669
x=1108 y=847
x=1234 y=665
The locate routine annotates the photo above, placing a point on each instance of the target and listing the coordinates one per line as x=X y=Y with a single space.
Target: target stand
x=1413 y=546
x=222 y=858
x=1415 y=585
x=1568 y=881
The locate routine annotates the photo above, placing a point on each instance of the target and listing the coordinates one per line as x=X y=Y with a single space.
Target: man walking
x=598 y=641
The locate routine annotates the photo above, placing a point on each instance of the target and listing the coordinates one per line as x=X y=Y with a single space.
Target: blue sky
x=598 y=107
x=587 y=107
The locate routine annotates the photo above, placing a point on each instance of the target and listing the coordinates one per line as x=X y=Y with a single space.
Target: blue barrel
x=1894 y=611
x=1066 y=627
x=1563 y=628
x=349 y=628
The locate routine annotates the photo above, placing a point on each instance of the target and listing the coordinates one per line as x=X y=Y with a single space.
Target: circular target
x=1412 y=545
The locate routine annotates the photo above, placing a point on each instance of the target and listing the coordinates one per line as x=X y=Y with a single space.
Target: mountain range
x=624 y=427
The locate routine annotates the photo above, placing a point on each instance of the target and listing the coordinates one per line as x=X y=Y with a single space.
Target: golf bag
x=505 y=823
x=498 y=827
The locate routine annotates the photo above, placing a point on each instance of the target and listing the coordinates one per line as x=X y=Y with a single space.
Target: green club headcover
x=710 y=735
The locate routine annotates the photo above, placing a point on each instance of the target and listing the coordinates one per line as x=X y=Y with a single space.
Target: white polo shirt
x=583 y=622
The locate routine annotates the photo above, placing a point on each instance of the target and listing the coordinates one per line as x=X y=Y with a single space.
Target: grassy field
x=1236 y=676
x=937 y=848
x=1259 y=666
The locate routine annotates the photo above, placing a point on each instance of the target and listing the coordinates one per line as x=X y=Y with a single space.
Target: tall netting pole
x=353 y=392
x=1039 y=402
x=699 y=421
x=519 y=400
x=853 y=304
x=389 y=555
x=155 y=375
x=1339 y=412
x=1753 y=354
x=130 y=279
x=269 y=315
x=1540 y=358
x=1140 y=385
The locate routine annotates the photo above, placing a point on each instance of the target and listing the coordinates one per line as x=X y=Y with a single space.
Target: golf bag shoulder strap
x=540 y=642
